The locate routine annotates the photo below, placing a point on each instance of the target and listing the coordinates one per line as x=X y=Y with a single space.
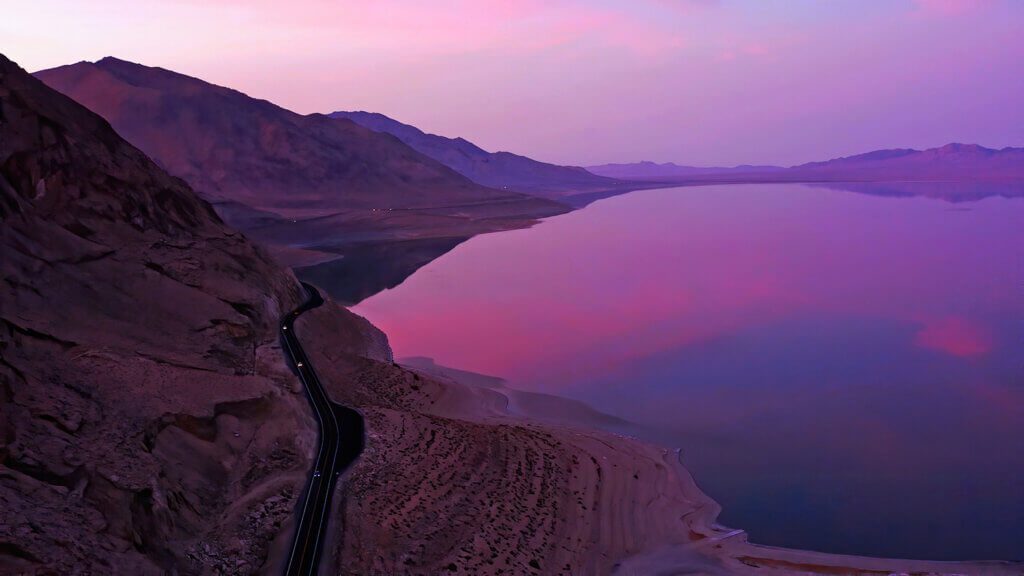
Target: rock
x=131 y=326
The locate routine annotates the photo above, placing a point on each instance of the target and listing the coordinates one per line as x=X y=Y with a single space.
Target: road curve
x=341 y=441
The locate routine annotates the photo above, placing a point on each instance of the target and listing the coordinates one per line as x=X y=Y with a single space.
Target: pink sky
x=690 y=81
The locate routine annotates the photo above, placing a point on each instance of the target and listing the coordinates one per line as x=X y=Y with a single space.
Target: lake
x=844 y=371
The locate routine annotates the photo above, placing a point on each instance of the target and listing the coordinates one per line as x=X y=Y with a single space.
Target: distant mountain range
x=647 y=170
x=949 y=163
x=314 y=187
x=952 y=162
x=261 y=164
x=497 y=169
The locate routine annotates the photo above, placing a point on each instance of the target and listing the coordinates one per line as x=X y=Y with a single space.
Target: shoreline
x=632 y=507
x=727 y=544
x=403 y=240
x=452 y=481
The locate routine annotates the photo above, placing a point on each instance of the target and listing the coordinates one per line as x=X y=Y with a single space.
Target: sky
x=702 y=82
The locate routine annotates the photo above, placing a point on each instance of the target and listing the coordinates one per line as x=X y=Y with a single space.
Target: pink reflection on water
x=630 y=277
x=828 y=360
x=955 y=336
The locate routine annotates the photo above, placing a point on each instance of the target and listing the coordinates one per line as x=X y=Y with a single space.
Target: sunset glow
x=691 y=81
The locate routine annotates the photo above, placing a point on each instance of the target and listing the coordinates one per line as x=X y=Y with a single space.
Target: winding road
x=341 y=441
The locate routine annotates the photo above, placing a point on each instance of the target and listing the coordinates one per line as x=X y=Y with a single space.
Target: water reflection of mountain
x=949 y=191
x=372 y=267
x=376 y=266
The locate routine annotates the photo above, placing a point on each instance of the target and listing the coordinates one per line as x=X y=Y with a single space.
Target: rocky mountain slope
x=497 y=169
x=148 y=424
x=264 y=167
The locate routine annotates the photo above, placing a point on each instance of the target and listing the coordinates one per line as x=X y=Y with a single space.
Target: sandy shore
x=463 y=476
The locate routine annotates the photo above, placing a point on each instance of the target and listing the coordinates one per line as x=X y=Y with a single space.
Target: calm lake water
x=844 y=372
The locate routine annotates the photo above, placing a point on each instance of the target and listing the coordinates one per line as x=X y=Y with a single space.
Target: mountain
x=148 y=422
x=497 y=169
x=952 y=162
x=262 y=165
x=668 y=171
x=949 y=163
x=139 y=387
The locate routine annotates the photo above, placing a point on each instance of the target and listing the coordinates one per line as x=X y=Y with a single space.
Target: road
x=341 y=441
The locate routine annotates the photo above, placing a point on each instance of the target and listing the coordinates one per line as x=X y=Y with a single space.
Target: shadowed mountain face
x=498 y=169
x=367 y=269
x=949 y=163
x=249 y=156
x=147 y=422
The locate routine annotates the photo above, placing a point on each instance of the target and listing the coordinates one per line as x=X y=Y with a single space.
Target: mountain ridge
x=500 y=169
x=950 y=162
x=232 y=147
x=310 y=187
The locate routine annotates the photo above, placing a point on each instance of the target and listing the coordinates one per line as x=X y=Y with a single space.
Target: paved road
x=341 y=441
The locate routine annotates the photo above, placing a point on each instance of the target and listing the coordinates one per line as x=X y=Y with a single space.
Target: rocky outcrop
x=148 y=424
